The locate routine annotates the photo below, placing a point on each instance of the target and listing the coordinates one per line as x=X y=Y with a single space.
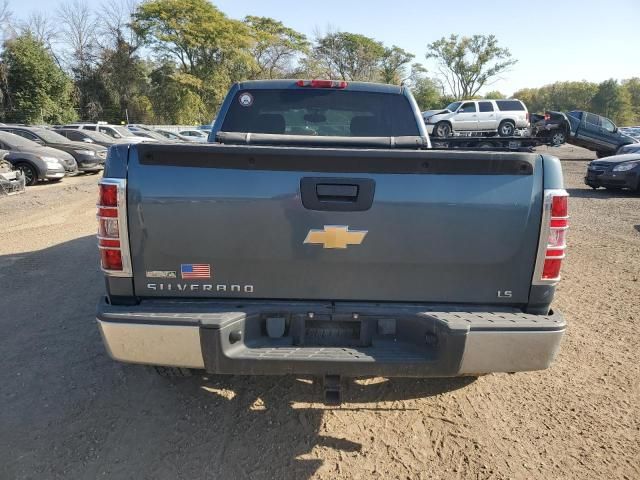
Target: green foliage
x=632 y=86
x=173 y=98
x=613 y=101
x=469 y=63
x=428 y=94
x=393 y=65
x=275 y=47
x=35 y=89
x=609 y=98
x=349 y=56
x=124 y=81
x=494 y=95
x=210 y=49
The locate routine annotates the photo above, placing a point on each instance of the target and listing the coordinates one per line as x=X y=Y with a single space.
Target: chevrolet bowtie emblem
x=335 y=236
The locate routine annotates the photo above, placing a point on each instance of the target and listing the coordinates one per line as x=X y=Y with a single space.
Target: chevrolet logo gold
x=335 y=236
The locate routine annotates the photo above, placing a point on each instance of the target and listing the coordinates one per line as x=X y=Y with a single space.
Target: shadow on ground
x=600 y=193
x=68 y=411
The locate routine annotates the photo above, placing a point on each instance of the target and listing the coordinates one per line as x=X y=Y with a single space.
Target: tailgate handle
x=337 y=194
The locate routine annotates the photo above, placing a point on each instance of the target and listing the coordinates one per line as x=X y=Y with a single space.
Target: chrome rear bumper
x=422 y=344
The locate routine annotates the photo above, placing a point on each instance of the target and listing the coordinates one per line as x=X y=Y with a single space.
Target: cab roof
x=291 y=83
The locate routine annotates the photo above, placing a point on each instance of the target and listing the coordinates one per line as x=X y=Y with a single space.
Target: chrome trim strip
x=107 y=238
x=123 y=229
x=545 y=230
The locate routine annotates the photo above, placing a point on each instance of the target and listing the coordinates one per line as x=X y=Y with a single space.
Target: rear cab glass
x=321 y=112
x=509 y=105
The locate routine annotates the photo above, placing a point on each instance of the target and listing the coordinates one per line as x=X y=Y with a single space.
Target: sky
x=553 y=40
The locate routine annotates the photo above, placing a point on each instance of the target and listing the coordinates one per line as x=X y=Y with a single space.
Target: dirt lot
x=68 y=411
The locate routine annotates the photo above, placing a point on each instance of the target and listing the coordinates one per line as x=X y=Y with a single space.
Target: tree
x=171 y=101
x=36 y=89
x=43 y=29
x=427 y=92
x=613 y=101
x=494 y=95
x=562 y=96
x=275 y=46
x=210 y=48
x=393 y=65
x=469 y=63
x=349 y=56
x=632 y=86
x=124 y=74
x=79 y=30
x=7 y=26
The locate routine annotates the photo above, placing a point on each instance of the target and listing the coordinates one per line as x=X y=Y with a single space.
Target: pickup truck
x=318 y=234
x=596 y=133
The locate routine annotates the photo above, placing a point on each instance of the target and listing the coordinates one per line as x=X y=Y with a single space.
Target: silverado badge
x=335 y=236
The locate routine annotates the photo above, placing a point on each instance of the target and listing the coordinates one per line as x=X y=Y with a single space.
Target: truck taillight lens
x=553 y=237
x=113 y=243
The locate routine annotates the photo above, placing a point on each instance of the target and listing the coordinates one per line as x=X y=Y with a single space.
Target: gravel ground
x=68 y=411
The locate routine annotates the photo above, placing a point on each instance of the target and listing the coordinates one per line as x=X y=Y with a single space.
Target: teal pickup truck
x=319 y=234
x=596 y=133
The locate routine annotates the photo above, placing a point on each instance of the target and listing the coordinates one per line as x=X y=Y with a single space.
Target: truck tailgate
x=230 y=221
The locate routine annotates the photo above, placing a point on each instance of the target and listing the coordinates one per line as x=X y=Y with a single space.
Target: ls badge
x=335 y=236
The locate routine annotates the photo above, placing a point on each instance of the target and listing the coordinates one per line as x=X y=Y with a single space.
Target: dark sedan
x=90 y=158
x=615 y=173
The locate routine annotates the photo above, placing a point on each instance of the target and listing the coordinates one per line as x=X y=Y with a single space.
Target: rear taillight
x=112 y=228
x=553 y=237
x=322 y=83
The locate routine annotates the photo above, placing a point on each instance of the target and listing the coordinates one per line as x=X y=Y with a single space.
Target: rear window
x=509 y=105
x=321 y=112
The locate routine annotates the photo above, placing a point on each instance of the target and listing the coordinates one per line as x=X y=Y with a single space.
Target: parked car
x=630 y=148
x=501 y=116
x=553 y=125
x=174 y=136
x=631 y=131
x=151 y=134
x=90 y=158
x=195 y=135
x=596 y=133
x=87 y=136
x=382 y=258
x=615 y=172
x=114 y=131
x=11 y=179
x=36 y=161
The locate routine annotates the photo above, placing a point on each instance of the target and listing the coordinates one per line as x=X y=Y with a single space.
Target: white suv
x=501 y=116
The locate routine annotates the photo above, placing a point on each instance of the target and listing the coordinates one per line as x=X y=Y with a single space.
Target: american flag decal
x=190 y=271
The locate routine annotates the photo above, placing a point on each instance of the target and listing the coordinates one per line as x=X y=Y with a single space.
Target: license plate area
x=333 y=333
